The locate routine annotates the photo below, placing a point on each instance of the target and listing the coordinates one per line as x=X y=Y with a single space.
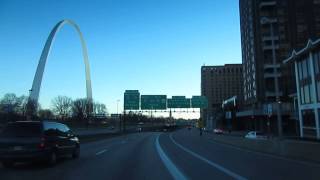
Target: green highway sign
x=134 y=101
x=178 y=102
x=131 y=100
x=199 y=102
x=153 y=102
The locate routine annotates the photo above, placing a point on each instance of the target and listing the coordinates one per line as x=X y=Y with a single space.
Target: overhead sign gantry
x=133 y=101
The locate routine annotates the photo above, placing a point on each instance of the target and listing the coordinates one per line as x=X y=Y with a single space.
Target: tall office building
x=219 y=83
x=270 y=30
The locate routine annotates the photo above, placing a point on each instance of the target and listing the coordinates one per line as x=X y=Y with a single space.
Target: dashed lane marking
x=101 y=152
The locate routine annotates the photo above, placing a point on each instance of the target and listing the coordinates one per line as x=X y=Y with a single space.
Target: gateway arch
x=36 y=85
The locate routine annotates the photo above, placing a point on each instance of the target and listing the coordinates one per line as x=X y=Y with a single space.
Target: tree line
x=62 y=108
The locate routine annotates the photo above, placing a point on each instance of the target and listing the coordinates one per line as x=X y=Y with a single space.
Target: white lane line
x=215 y=165
x=174 y=171
x=264 y=154
x=101 y=152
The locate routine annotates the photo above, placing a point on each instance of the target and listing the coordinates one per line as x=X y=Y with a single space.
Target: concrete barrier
x=94 y=134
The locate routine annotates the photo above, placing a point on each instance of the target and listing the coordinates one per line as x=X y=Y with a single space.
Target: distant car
x=218 y=131
x=168 y=127
x=30 y=141
x=255 y=135
x=112 y=127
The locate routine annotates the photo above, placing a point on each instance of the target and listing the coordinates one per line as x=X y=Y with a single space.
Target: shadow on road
x=36 y=165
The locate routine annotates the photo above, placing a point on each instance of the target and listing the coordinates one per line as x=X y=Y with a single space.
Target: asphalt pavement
x=171 y=155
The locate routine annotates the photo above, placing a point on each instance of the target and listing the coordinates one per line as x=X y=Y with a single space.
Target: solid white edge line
x=101 y=152
x=215 y=165
x=174 y=171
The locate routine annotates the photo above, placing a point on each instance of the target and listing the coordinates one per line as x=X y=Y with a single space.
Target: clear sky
x=154 y=46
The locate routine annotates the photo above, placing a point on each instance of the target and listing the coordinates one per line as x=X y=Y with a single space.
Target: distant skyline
x=156 y=47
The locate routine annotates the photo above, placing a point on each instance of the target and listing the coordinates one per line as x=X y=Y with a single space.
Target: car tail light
x=42 y=143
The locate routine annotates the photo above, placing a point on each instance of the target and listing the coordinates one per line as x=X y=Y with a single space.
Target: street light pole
x=151 y=116
x=266 y=20
x=118 y=106
x=29 y=108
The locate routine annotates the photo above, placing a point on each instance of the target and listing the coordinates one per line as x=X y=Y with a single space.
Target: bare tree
x=45 y=114
x=23 y=102
x=99 y=108
x=9 y=103
x=62 y=106
x=79 y=108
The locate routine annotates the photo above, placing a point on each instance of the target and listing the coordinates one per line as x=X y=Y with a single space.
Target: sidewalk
x=294 y=149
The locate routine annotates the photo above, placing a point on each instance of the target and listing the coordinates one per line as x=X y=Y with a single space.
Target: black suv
x=29 y=141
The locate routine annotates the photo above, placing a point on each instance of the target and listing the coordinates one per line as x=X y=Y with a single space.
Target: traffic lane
x=130 y=157
x=39 y=171
x=191 y=167
x=249 y=164
x=135 y=160
x=88 y=153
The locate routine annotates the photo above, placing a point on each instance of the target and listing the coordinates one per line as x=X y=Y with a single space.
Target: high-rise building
x=219 y=83
x=270 y=30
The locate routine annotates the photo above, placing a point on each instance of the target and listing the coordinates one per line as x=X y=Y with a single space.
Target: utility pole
x=151 y=116
x=118 y=106
x=118 y=115
x=124 y=121
x=170 y=117
x=30 y=109
x=266 y=20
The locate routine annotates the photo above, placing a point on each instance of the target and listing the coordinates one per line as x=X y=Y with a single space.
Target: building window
x=316 y=60
x=305 y=68
x=308 y=118
x=309 y=122
x=307 y=94
x=302 y=95
x=318 y=90
x=313 y=99
x=300 y=70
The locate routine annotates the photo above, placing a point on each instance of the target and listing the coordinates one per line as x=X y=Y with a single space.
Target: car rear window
x=21 y=130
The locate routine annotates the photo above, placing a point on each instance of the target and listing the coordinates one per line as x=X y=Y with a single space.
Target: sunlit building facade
x=307 y=75
x=217 y=84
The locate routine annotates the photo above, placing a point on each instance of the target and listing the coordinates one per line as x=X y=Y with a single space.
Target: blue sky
x=155 y=46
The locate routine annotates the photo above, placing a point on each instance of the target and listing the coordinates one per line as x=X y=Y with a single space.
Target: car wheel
x=8 y=164
x=76 y=153
x=52 y=158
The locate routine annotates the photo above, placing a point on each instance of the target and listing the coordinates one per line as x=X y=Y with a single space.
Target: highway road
x=181 y=154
